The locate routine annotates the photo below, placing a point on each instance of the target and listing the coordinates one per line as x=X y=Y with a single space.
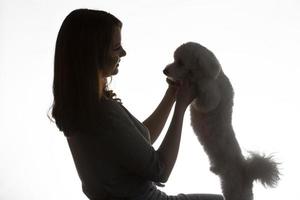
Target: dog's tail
x=263 y=168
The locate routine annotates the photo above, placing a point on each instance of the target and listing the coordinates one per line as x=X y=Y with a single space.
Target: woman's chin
x=116 y=70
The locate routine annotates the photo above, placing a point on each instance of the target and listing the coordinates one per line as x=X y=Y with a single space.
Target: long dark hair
x=81 y=49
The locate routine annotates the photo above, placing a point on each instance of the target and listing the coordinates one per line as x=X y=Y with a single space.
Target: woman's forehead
x=117 y=35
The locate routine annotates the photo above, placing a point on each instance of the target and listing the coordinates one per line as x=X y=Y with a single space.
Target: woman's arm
x=156 y=121
x=169 y=147
x=121 y=143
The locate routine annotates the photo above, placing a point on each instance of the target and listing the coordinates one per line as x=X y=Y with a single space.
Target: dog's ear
x=215 y=67
x=210 y=64
x=208 y=96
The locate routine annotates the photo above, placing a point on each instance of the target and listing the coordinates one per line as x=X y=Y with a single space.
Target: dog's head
x=194 y=62
x=200 y=66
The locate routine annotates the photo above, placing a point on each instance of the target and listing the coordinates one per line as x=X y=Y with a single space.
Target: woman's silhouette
x=112 y=150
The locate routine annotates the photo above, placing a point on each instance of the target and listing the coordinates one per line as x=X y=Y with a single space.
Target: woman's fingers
x=185 y=93
x=171 y=82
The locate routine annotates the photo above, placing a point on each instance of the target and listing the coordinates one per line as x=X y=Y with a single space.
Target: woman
x=111 y=149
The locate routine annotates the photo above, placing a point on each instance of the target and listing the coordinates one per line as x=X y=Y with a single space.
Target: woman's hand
x=182 y=91
x=185 y=94
x=173 y=87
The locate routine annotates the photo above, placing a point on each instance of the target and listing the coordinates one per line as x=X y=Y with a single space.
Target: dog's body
x=211 y=113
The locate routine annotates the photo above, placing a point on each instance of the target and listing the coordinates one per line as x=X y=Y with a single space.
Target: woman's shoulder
x=109 y=106
x=112 y=111
x=109 y=114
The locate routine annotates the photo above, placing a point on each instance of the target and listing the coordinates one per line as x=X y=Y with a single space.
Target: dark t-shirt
x=117 y=161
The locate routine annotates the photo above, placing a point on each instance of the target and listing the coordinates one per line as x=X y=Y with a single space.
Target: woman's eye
x=118 y=48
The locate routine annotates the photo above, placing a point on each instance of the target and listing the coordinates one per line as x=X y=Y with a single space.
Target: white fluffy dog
x=211 y=121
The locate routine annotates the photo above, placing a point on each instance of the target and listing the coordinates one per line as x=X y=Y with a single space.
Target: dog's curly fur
x=211 y=113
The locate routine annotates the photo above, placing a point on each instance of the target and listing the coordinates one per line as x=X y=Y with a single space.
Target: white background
x=256 y=42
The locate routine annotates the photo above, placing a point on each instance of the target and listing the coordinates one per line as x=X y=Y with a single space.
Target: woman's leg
x=155 y=194
x=196 y=197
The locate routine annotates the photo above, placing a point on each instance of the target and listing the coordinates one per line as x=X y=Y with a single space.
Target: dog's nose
x=165 y=71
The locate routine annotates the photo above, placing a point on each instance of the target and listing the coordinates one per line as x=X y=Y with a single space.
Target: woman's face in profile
x=115 y=53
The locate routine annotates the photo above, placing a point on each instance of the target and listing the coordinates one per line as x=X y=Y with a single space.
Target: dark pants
x=162 y=196
x=156 y=194
x=196 y=197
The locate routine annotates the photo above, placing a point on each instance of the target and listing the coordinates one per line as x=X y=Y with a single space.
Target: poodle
x=211 y=113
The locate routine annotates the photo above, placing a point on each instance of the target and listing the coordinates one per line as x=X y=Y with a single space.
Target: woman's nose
x=123 y=53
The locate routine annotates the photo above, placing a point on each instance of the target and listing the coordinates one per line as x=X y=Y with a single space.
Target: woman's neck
x=102 y=85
